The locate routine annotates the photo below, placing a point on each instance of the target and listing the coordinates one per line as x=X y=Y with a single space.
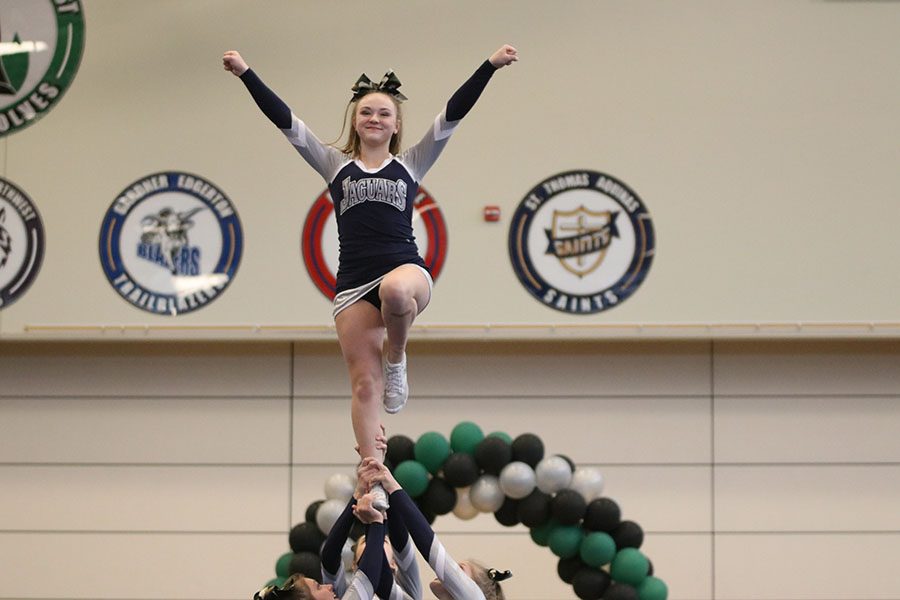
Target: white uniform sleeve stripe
x=437 y=558
x=406 y=557
x=442 y=128
x=325 y=159
x=296 y=135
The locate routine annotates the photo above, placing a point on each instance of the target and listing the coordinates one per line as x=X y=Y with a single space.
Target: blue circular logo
x=170 y=243
x=581 y=242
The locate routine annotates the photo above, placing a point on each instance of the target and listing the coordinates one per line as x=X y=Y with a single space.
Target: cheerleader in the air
x=382 y=282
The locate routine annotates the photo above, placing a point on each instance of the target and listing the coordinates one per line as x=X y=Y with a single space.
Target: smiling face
x=376 y=119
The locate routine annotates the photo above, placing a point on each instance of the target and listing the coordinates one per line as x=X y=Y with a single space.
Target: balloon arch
x=561 y=504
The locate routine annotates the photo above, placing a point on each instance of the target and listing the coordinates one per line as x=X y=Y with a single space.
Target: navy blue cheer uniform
x=373 y=207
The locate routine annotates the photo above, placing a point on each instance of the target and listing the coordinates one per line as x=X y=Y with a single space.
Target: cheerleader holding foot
x=382 y=282
x=365 y=581
x=399 y=573
x=466 y=580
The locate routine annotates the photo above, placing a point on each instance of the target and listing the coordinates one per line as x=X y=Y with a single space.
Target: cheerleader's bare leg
x=404 y=293
x=360 y=332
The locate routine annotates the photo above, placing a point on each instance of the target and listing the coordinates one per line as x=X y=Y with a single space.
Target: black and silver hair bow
x=498 y=576
x=389 y=84
x=273 y=592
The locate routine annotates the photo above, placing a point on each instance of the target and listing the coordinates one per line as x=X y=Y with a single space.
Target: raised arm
x=332 y=567
x=422 y=156
x=272 y=106
x=321 y=157
x=370 y=566
x=462 y=101
x=448 y=571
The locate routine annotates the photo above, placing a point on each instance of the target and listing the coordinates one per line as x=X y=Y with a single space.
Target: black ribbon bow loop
x=498 y=576
x=389 y=84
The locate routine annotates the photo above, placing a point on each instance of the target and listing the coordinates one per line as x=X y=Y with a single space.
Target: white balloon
x=339 y=486
x=587 y=481
x=328 y=513
x=553 y=474
x=464 y=509
x=517 y=480
x=485 y=494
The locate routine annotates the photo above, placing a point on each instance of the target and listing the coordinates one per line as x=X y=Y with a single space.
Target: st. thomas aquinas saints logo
x=581 y=242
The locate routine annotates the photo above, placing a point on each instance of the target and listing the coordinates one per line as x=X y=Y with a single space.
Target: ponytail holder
x=498 y=576
x=389 y=84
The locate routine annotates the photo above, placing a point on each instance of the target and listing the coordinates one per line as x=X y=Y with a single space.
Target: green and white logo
x=41 y=43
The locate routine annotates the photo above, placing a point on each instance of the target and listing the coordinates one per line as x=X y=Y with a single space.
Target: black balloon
x=528 y=448
x=506 y=515
x=306 y=537
x=590 y=584
x=620 y=591
x=308 y=564
x=439 y=497
x=492 y=454
x=627 y=534
x=311 y=511
x=602 y=514
x=534 y=509
x=567 y=507
x=566 y=568
x=460 y=469
x=400 y=448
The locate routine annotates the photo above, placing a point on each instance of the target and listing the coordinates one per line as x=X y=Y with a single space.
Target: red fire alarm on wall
x=491 y=213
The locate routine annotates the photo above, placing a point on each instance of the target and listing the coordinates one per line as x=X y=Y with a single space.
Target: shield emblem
x=579 y=238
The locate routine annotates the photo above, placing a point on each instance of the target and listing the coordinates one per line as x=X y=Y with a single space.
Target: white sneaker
x=396 y=389
x=379 y=498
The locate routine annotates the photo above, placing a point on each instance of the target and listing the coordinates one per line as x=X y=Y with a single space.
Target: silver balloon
x=328 y=513
x=517 y=480
x=587 y=481
x=553 y=474
x=339 y=486
x=486 y=495
x=464 y=509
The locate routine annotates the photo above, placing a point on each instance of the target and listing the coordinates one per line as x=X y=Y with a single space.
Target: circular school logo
x=21 y=243
x=171 y=243
x=319 y=243
x=41 y=43
x=581 y=242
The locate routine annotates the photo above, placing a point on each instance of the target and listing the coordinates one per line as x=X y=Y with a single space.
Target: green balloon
x=541 y=534
x=598 y=548
x=282 y=567
x=653 y=589
x=432 y=449
x=502 y=435
x=412 y=477
x=465 y=436
x=565 y=541
x=629 y=566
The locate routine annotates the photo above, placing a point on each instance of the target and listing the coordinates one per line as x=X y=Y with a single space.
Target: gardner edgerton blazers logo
x=170 y=243
x=581 y=242
x=41 y=43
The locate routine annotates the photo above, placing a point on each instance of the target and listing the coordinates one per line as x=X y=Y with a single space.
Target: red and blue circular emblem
x=319 y=244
